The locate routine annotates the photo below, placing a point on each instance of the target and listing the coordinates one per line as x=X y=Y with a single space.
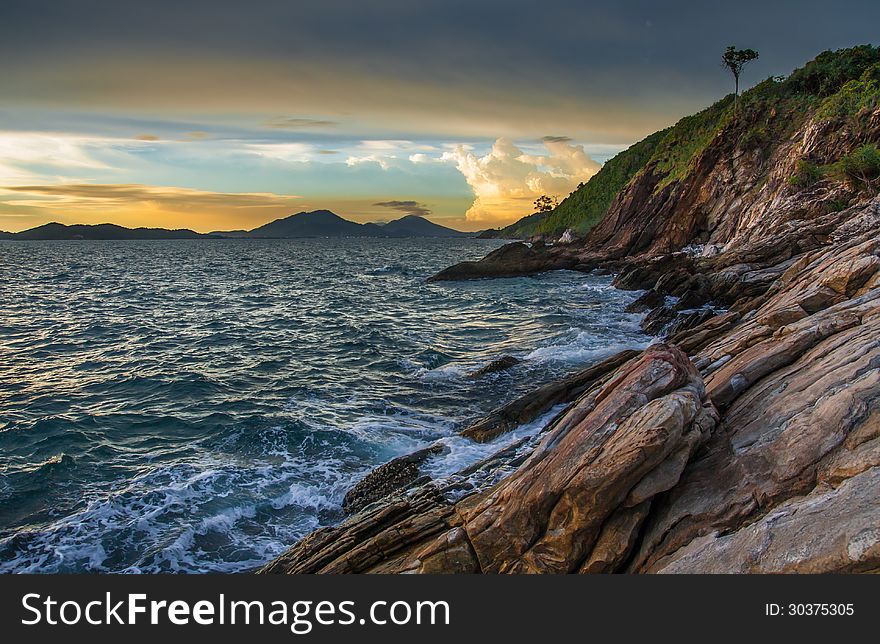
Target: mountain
x=56 y=231
x=415 y=226
x=317 y=223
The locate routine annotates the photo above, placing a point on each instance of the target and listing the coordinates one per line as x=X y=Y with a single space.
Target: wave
x=583 y=347
x=462 y=452
x=206 y=412
x=388 y=269
x=246 y=512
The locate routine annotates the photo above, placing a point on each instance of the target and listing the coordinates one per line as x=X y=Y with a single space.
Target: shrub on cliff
x=860 y=169
x=831 y=70
x=855 y=96
x=806 y=175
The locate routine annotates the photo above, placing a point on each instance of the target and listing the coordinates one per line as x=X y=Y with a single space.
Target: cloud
x=506 y=180
x=556 y=139
x=299 y=123
x=292 y=152
x=390 y=153
x=27 y=156
x=382 y=162
x=142 y=205
x=409 y=207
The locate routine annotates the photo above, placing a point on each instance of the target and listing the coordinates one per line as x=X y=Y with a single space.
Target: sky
x=226 y=115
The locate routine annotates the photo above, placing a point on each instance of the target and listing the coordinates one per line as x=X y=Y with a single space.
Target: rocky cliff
x=749 y=439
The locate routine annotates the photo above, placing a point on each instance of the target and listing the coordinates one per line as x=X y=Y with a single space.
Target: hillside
x=585 y=207
x=834 y=86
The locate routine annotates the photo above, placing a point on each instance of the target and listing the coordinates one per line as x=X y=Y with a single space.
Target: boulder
x=511 y=260
x=398 y=473
x=499 y=364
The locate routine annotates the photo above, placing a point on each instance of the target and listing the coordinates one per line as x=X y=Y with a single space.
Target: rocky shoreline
x=748 y=441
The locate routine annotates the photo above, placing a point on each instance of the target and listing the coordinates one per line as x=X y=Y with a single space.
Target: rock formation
x=748 y=441
x=511 y=260
x=758 y=450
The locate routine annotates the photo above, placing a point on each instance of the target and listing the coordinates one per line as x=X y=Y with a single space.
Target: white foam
x=583 y=349
x=154 y=514
x=463 y=452
x=450 y=371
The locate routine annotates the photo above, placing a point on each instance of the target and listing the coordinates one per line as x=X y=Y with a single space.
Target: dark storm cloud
x=519 y=65
x=450 y=37
x=648 y=39
x=409 y=207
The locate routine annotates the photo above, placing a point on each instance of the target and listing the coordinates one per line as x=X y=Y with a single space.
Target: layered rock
x=758 y=451
x=748 y=442
x=590 y=479
x=798 y=384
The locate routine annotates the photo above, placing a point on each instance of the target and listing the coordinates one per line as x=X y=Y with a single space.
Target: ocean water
x=193 y=406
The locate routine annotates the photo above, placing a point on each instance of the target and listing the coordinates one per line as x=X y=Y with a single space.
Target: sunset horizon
x=182 y=119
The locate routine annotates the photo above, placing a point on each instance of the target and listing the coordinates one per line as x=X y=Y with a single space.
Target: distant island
x=317 y=223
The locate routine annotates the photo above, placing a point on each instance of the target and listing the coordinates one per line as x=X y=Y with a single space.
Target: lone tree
x=545 y=203
x=735 y=59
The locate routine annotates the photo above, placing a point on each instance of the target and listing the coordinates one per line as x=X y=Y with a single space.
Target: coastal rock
x=750 y=442
x=371 y=540
x=801 y=411
x=829 y=529
x=511 y=260
x=528 y=407
x=499 y=364
x=648 y=300
x=623 y=442
x=760 y=454
x=397 y=473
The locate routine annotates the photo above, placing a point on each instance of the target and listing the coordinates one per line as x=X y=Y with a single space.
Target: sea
x=200 y=405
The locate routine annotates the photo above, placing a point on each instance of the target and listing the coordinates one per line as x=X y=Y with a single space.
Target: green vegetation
x=844 y=83
x=860 y=169
x=806 y=175
x=520 y=229
x=685 y=141
x=546 y=203
x=834 y=205
x=586 y=206
x=855 y=96
x=735 y=59
x=831 y=70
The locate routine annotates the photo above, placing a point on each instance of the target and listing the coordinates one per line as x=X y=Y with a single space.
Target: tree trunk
x=736 y=94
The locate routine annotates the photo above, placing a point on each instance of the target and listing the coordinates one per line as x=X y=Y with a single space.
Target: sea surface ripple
x=193 y=406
